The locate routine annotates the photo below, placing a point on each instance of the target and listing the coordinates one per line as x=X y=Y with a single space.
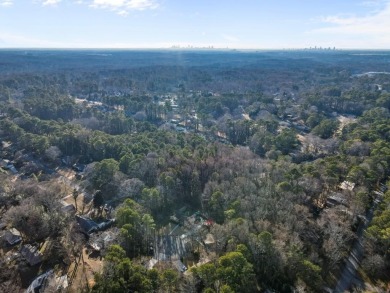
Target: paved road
x=349 y=277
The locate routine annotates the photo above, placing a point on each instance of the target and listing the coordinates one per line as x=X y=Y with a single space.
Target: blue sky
x=254 y=24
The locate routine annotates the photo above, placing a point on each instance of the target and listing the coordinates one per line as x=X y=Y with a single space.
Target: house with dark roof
x=336 y=199
x=31 y=254
x=13 y=237
x=68 y=207
x=86 y=224
x=89 y=226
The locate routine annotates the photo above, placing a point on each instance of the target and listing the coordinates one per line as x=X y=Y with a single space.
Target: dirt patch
x=344 y=120
x=81 y=206
x=87 y=267
x=305 y=146
x=67 y=173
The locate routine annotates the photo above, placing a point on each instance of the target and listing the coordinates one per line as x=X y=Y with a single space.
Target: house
x=12 y=236
x=180 y=266
x=78 y=167
x=180 y=129
x=68 y=208
x=336 y=199
x=39 y=284
x=347 y=185
x=89 y=226
x=284 y=124
x=86 y=224
x=7 y=165
x=62 y=282
x=100 y=241
x=12 y=168
x=106 y=224
x=31 y=254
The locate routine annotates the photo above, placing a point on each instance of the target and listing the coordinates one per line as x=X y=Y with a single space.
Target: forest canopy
x=232 y=172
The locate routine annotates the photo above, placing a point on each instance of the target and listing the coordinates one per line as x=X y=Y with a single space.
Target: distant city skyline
x=246 y=24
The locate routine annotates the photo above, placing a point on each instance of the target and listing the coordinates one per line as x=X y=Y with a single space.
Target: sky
x=241 y=24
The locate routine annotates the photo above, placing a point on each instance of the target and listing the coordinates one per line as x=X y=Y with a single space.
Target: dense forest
x=194 y=171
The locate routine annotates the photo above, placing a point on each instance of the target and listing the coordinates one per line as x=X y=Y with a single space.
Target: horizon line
x=197 y=48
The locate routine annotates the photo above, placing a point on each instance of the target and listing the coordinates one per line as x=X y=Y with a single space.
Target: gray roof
x=39 y=284
x=337 y=198
x=31 y=254
x=89 y=226
x=13 y=236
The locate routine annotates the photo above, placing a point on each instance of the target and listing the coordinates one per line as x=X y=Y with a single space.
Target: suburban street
x=349 y=277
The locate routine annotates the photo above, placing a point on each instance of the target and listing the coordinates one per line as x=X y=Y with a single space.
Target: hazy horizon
x=162 y=24
x=310 y=49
